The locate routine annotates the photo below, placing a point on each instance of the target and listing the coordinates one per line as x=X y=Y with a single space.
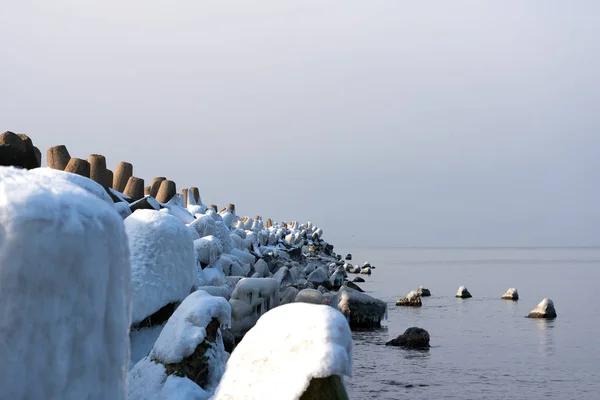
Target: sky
x=386 y=123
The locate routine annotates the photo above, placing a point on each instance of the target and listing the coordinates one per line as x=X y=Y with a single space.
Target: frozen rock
x=361 y=309
x=288 y=350
x=222 y=232
x=416 y=338
x=511 y=294
x=544 y=310
x=284 y=277
x=204 y=225
x=412 y=299
x=190 y=345
x=463 y=293
x=366 y=271
x=163 y=264
x=336 y=280
x=262 y=268
x=64 y=289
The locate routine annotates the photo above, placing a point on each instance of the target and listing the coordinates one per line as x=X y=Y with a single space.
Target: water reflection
x=545 y=333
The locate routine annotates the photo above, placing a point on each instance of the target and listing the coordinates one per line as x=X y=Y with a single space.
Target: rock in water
x=358 y=279
x=421 y=291
x=362 y=310
x=411 y=300
x=511 y=294
x=366 y=271
x=415 y=338
x=463 y=293
x=353 y=285
x=349 y=257
x=544 y=310
x=64 y=289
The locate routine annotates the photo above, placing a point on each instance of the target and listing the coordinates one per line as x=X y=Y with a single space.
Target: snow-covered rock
x=204 y=225
x=289 y=347
x=64 y=288
x=163 y=265
x=544 y=310
x=262 y=268
x=511 y=294
x=412 y=299
x=190 y=344
x=463 y=293
x=207 y=249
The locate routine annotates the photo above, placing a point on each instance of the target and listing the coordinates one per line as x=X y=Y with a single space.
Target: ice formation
x=208 y=249
x=289 y=346
x=251 y=298
x=65 y=288
x=163 y=265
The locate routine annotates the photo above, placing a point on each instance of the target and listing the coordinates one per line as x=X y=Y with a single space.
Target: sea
x=483 y=347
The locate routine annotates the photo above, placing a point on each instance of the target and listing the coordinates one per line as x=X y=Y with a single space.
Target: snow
x=145 y=380
x=141 y=342
x=163 y=265
x=288 y=346
x=123 y=209
x=182 y=388
x=65 y=288
x=186 y=328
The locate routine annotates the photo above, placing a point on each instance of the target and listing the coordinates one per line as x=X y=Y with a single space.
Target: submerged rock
x=511 y=294
x=411 y=300
x=544 y=310
x=463 y=293
x=415 y=338
x=421 y=291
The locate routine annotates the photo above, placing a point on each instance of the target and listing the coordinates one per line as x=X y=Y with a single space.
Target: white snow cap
x=288 y=346
x=186 y=328
x=64 y=288
x=163 y=264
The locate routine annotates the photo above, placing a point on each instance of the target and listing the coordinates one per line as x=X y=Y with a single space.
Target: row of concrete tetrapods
x=122 y=180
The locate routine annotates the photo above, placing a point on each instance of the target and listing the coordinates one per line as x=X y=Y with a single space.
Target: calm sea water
x=483 y=347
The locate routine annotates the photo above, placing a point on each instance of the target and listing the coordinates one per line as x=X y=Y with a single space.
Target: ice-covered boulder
x=421 y=291
x=416 y=338
x=222 y=232
x=544 y=310
x=291 y=348
x=361 y=309
x=365 y=271
x=412 y=299
x=207 y=250
x=336 y=280
x=204 y=225
x=251 y=298
x=172 y=207
x=163 y=264
x=190 y=345
x=511 y=294
x=64 y=288
x=463 y=293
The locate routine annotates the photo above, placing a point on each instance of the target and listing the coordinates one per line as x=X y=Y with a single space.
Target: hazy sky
x=384 y=122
